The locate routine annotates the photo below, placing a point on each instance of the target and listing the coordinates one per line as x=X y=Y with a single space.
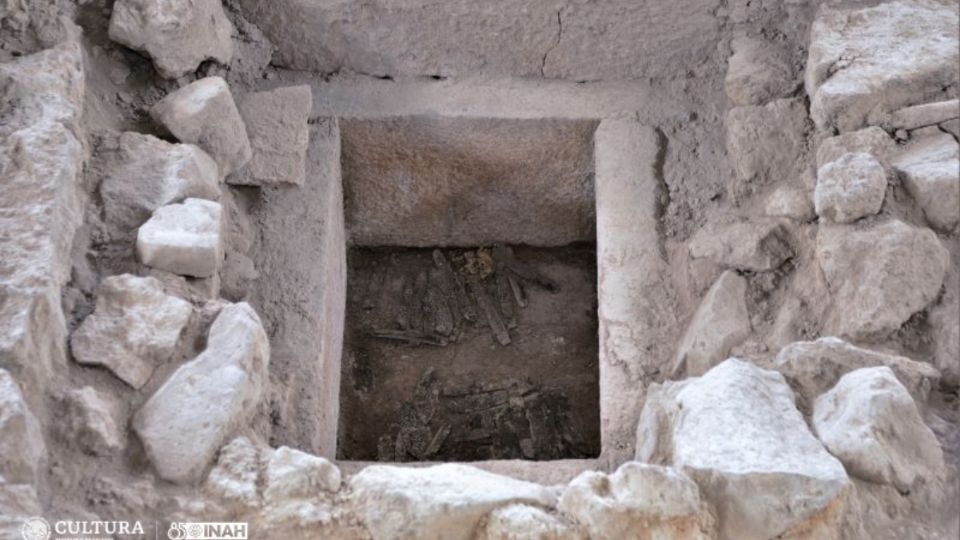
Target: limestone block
x=720 y=323
x=857 y=73
x=89 y=420
x=188 y=418
x=432 y=503
x=31 y=25
x=737 y=433
x=22 y=449
x=236 y=476
x=276 y=122
x=850 y=188
x=183 y=238
x=813 y=367
x=292 y=474
x=871 y=140
x=47 y=85
x=758 y=71
x=204 y=113
x=18 y=503
x=637 y=501
x=927 y=114
x=879 y=277
x=135 y=327
x=525 y=522
x=151 y=173
x=871 y=423
x=792 y=203
x=176 y=34
x=945 y=329
x=765 y=144
x=931 y=173
x=757 y=245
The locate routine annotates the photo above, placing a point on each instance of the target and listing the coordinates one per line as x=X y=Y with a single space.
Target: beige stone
x=276 y=123
x=759 y=70
x=22 y=448
x=183 y=238
x=758 y=245
x=236 y=477
x=849 y=188
x=291 y=473
x=927 y=114
x=525 y=522
x=720 y=323
x=871 y=140
x=765 y=144
x=90 y=421
x=931 y=173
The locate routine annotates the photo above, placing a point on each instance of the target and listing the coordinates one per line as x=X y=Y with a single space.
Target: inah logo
x=35 y=528
x=207 y=531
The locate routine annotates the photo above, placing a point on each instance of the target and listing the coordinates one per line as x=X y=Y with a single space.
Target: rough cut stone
x=22 y=449
x=757 y=245
x=204 y=113
x=134 y=328
x=719 y=324
x=758 y=71
x=945 y=329
x=872 y=140
x=813 y=367
x=292 y=474
x=90 y=420
x=187 y=420
x=871 y=423
x=151 y=173
x=862 y=66
x=765 y=144
x=183 y=238
x=792 y=203
x=737 y=433
x=637 y=501
x=28 y=26
x=927 y=114
x=879 y=277
x=433 y=503
x=236 y=476
x=176 y=34
x=18 y=503
x=850 y=188
x=525 y=522
x=276 y=122
x=931 y=173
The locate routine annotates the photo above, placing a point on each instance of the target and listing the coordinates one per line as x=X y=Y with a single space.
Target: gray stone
x=792 y=203
x=927 y=114
x=871 y=423
x=235 y=479
x=525 y=522
x=879 y=277
x=18 y=503
x=944 y=322
x=204 y=113
x=757 y=245
x=22 y=449
x=720 y=323
x=758 y=71
x=176 y=34
x=850 y=188
x=295 y=474
x=872 y=140
x=90 y=420
x=135 y=327
x=183 y=238
x=187 y=420
x=737 y=433
x=765 y=144
x=276 y=122
x=931 y=173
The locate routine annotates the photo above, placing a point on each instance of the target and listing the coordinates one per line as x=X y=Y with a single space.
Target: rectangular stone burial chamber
x=470 y=329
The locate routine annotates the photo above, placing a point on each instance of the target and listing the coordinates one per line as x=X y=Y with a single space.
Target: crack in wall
x=543 y=62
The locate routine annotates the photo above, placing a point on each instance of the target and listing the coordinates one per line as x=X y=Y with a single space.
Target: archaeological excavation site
x=480 y=269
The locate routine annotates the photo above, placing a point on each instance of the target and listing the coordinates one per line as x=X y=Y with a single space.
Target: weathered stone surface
x=931 y=173
x=765 y=144
x=945 y=328
x=759 y=70
x=525 y=522
x=176 y=34
x=637 y=501
x=792 y=203
x=236 y=476
x=858 y=73
x=28 y=26
x=872 y=140
x=879 y=277
x=736 y=432
x=927 y=114
x=276 y=123
x=292 y=473
x=850 y=188
x=871 y=423
x=757 y=245
x=183 y=238
x=18 y=503
x=134 y=328
x=204 y=113
x=813 y=367
x=720 y=323
x=89 y=419
x=151 y=173
x=440 y=502
x=22 y=449
x=188 y=418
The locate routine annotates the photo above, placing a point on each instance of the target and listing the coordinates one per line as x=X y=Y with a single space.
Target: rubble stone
x=236 y=476
x=276 y=122
x=871 y=140
x=792 y=203
x=186 y=421
x=18 y=503
x=737 y=433
x=637 y=501
x=871 y=423
x=292 y=473
x=757 y=245
x=183 y=238
x=152 y=173
x=90 y=420
x=22 y=448
x=927 y=114
x=850 y=188
x=879 y=277
x=758 y=71
x=204 y=113
x=440 y=502
x=931 y=173
x=177 y=35
x=719 y=324
x=134 y=328
x=525 y=522
x=765 y=143
x=945 y=329
x=857 y=74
